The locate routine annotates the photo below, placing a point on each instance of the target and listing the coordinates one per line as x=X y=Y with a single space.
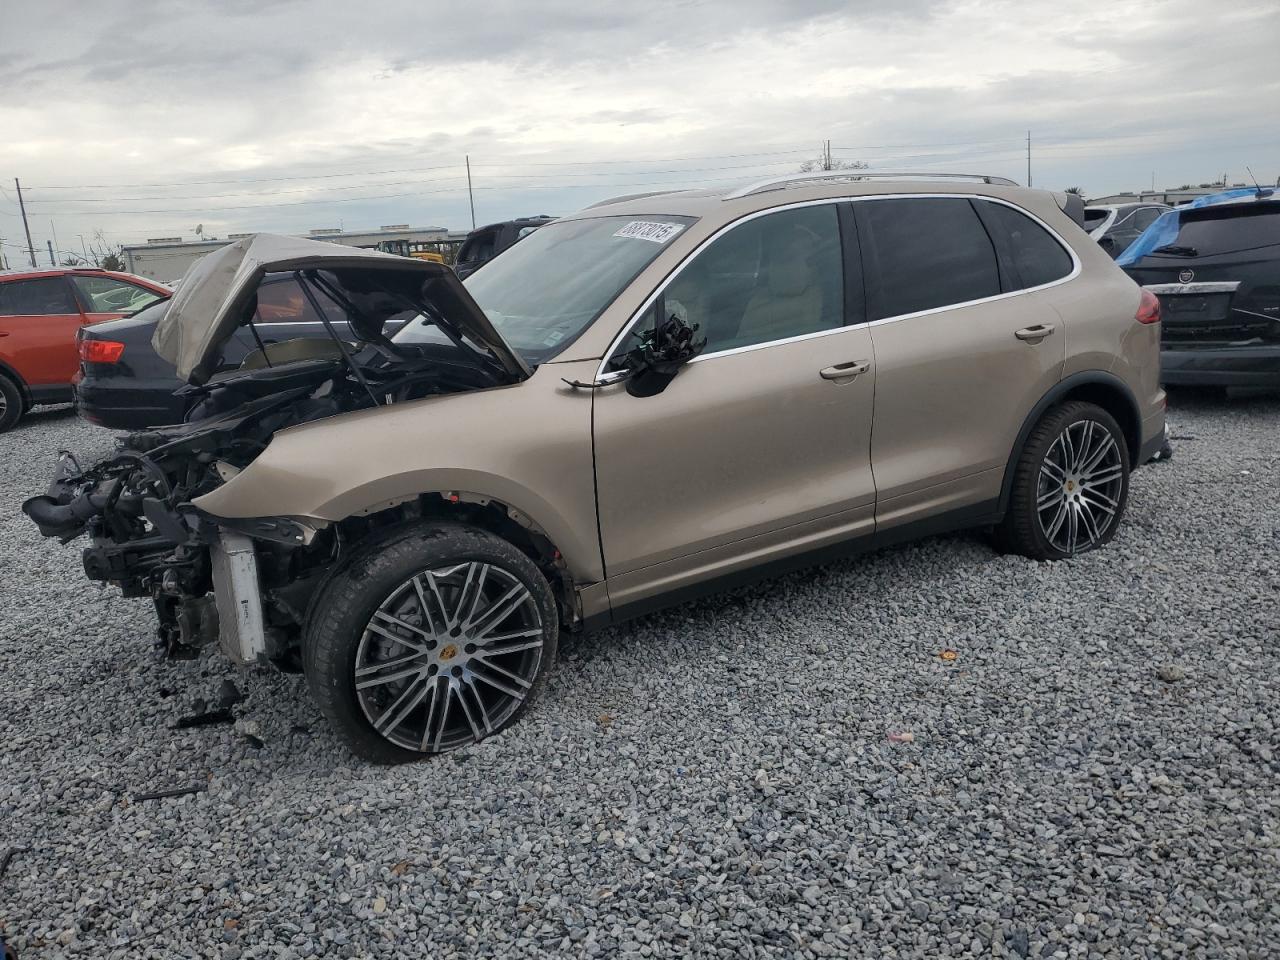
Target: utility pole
x=1028 y=158
x=31 y=250
x=56 y=246
x=826 y=155
x=471 y=196
x=83 y=248
x=53 y=261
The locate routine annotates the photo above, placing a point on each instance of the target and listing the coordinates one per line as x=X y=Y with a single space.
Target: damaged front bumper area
x=211 y=579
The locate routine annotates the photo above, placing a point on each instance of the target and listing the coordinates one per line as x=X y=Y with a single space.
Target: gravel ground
x=1094 y=774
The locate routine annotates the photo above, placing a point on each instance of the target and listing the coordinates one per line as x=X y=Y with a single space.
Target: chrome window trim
x=601 y=374
x=1194 y=288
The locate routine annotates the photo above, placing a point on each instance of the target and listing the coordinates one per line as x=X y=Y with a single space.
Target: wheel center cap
x=449 y=652
x=1070 y=485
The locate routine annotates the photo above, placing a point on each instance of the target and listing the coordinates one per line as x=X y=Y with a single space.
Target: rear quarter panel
x=1098 y=310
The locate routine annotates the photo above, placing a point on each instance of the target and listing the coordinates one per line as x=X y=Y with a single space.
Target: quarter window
x=924 y=253
x=46 y=296
x=1036 y=257
x=771 y=278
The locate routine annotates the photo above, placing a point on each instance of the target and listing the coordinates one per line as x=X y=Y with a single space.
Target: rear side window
x=1225 y=231
x=1035 y=256
x=1093 y=217
x=109 y=295
x=1147 y=216
x=924 y=253
x=45 y=296
x=478 y=248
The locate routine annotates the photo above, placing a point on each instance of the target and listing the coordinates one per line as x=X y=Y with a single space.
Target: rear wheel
x=429 y=642
x=10 y=403
x=1070 y=485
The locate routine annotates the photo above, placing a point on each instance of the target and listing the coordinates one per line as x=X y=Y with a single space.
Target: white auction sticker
x=650 y=230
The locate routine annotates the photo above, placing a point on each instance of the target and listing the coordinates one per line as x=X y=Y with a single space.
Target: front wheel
x=429 y=642
x=1070 y=485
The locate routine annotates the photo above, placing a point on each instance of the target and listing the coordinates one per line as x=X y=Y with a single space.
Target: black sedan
x=123 y=384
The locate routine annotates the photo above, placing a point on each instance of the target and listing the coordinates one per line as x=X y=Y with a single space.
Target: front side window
x=44 y=296
x=548 y=288
x=771 y=278
x=1036 y=257
x=109 y=295
x=924 y=253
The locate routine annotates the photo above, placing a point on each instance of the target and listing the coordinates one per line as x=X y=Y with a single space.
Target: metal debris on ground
x=166 y=794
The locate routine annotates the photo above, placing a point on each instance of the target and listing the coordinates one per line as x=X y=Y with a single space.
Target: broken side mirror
x=657 y=358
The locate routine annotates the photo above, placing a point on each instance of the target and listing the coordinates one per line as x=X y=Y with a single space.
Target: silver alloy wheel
x=4 y=404
x=1080 y=484
x=449 y=656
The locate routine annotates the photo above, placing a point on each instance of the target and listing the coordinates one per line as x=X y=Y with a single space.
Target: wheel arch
x=488 y=513
x=6 y=370
x=1094 y=386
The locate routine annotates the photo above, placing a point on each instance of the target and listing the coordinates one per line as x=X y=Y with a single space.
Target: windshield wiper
x=1175 y=250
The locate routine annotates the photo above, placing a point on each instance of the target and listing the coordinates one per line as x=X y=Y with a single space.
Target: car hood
x=219 y=292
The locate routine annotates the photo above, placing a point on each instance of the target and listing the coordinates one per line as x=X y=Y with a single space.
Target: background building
x=1171 y=197
x=166 y=259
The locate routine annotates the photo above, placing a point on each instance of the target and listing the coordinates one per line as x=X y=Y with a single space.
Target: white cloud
x=171 y=93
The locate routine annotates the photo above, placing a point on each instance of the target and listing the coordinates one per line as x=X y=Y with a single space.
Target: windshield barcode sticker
x=650 y=230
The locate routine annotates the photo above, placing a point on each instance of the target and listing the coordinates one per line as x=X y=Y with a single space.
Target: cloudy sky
x=144 y=118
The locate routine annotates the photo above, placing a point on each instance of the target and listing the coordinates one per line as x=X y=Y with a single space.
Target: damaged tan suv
x=658 y=396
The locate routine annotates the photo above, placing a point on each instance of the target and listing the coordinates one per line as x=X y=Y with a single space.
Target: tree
x=1078 y=191
x=107 y=255
x=823 y=163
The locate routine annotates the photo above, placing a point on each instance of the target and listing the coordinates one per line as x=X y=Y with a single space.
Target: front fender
x=527 y=446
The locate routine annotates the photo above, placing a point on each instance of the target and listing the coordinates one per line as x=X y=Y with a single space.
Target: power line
x=449 y=166
x=398 y=183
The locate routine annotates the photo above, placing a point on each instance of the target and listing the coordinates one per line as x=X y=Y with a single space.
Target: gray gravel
x=1093 y=775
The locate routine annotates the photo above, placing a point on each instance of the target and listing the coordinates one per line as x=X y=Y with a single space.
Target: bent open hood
x=217 y=294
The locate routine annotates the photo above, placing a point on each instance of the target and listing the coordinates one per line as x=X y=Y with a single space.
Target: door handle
x=1036 y=333
x=845 y=371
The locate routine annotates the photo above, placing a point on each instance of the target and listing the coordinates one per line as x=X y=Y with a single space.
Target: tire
x=1056 y=509
x=400 y=681
x=11 y=404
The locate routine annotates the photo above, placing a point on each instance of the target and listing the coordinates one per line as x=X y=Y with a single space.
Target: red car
x=40 y=312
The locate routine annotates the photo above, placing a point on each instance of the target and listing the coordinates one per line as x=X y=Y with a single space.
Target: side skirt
x=979 y=515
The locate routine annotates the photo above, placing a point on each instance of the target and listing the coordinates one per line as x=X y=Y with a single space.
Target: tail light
x=1148 y=308
x=100 y=351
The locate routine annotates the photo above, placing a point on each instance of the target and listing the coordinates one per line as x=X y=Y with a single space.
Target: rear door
x=760 y=447
x=965 y=345
x=39 y=318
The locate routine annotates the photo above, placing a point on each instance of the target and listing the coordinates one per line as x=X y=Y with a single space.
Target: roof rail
x=778 y=183
x=628 y=196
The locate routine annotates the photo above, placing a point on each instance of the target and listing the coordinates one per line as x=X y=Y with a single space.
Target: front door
x=759 y=448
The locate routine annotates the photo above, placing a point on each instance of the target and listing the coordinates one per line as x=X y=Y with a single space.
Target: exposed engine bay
x=248 y=582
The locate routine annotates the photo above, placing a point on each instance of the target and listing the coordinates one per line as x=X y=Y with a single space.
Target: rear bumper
x=1252 y=366
x=140 y=405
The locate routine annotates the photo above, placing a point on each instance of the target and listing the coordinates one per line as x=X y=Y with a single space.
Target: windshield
x=543 y=292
